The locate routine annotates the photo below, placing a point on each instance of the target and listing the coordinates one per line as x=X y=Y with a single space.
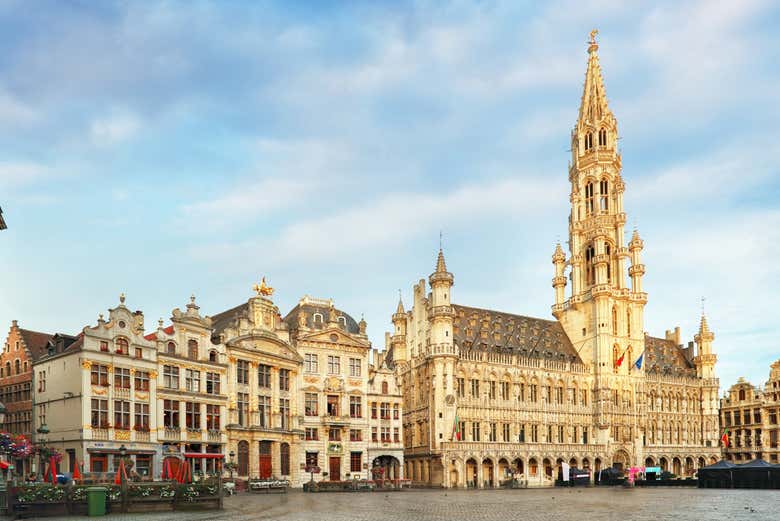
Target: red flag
x=725 y=438
x=76 y=469
x=620 y=360
x=53 y=467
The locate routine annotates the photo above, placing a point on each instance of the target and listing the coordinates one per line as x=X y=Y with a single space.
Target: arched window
x=589 y=198
x=212 y=356
x=384 y=388
x=18 y=366
x=614 y=321
x=171 y=348
x=343 y=321
x=588 y=141
x=121 y=346
x=317 y=318
x=629 y=357
x=192 y=349
x=615 y=357
x=284 y=453
x=603 y=137
x=8 y=368
x=608 y=252
x=603 y=195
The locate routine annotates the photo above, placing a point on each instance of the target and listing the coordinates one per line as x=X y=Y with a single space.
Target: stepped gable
x=511 y=334
x=664 y=356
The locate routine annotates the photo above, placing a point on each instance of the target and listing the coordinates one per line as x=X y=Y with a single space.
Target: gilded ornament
x=263 y=289
x=86 y=364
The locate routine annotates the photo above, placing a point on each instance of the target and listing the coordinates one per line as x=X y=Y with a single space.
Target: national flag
x=638 y=362
x=619 y=361
x=725 y=437
x=456 y=434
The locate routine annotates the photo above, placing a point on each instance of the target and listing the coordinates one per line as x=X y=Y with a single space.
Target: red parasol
x=53 y=467
x=76 y=469
x=120 y=472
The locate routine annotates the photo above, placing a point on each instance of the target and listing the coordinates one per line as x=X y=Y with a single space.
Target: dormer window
x=343 y=321
x=317 y=318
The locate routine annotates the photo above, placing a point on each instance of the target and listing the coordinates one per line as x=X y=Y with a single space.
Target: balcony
x=194 y=435
x=214 y=436
x=172 y=434
x=142 y=436
x=99 y=434
x=122 y=392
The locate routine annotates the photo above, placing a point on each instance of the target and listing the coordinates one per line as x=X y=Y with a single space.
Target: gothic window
x=614 y=321
x=608 y=251
x=589 y=198
x=615 y=357
x=603 y=195
x=603 y=137
x=588 y=141
x=628 y=321
x=590 y=267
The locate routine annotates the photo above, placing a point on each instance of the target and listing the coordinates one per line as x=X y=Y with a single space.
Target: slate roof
x=310 y=309
x=220 y=321
x=2 y=221
x=37 y=343
x=484 y=329
x=664 y=356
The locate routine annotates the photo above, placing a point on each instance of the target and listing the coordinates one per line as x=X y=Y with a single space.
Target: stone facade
x=750 y=414
x=490 y=395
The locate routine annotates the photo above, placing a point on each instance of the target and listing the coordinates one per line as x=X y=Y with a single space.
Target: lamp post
x=42 y=431
x=232 y=455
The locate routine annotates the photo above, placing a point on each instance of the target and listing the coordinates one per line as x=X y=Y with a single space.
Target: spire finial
x=440 y=239
x=593 y=34
x=121 y=298
x=160 y=323
x=702 y=305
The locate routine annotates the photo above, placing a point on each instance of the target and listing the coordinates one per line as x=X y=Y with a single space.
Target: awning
x=202 y=455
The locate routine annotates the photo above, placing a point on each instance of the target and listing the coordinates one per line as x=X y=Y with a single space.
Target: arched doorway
x=664 y=464
x=701 y=463
x=586 y=463
x=454 y=476
x=573 y=462
x=689 y=469
x=243 y=458
x=533 y=467
x=487 y=473
x=471 y=473
x=649 y=462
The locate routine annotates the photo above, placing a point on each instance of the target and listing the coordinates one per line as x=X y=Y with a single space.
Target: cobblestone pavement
x=445 y=505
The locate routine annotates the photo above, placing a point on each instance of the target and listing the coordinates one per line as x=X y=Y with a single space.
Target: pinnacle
x=703 y=326
x=441 y=266
x=558 y=254
x=400 y=309
x=594 y=97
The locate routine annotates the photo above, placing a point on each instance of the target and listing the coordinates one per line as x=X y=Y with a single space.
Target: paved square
x=500 y=505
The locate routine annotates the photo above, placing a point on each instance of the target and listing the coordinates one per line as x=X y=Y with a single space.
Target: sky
x=164 y=149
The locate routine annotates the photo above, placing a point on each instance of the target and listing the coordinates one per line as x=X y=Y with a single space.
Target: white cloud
x=17 y=174
x=15 y=112
x=115 y=128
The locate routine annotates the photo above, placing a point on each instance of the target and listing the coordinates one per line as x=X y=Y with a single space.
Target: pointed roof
x=703 y=326
x=558 y=255
x=441 y=266
x=400 y=309
x=594 y=96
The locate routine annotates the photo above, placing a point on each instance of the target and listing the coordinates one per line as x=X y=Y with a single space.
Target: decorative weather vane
x=440 y=238
x=702 y=304
x=593 y=34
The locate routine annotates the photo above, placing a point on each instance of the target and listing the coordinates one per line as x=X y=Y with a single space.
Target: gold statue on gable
x=263 y=289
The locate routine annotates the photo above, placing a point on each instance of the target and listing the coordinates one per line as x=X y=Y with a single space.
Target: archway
x=487 y=473
x=471 y=473
x=454 y=476
x=713 y=460
x=558 y=471
x=586 y=463
x=649 y=462
x=243 y=458
x=689 y=469
x=620 y=460
x=533 y=467
x=548 y=468
x=504 y=471
x=664 y=464
x=676 y=466
x=701 y=463
x=385 y=468
x=573 y=463
x=519 y=467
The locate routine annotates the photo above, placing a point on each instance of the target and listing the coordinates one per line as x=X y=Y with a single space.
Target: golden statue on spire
x=263 y=289
x=593 y=34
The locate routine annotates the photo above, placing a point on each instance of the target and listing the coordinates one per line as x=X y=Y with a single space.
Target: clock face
x=449 y=399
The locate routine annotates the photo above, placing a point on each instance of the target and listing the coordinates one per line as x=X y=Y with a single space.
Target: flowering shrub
x=40 y=493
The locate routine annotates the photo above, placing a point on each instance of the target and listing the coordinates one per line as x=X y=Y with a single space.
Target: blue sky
x=163 y=149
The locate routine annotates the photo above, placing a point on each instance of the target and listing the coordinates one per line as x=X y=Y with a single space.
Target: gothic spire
x=593 y=106
x=441 y=266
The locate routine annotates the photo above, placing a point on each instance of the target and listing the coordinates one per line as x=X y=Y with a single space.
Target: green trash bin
x=96 y=501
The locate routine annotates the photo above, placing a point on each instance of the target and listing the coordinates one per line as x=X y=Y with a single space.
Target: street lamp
x=122 y=451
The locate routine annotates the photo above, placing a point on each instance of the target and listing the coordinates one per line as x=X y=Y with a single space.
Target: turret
x=705 y=359
x=398 y=338
x=559 y=280
x=441 y=313
x=637 y=269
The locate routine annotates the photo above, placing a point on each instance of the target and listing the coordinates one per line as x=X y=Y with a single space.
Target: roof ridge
x=504 y=313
